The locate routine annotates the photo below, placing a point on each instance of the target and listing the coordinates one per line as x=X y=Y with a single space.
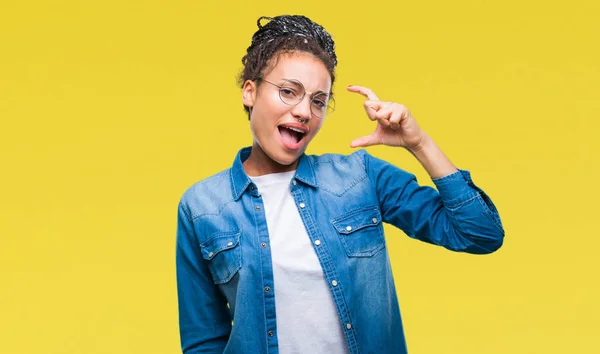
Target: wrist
x=432 y=158
x=424 y=143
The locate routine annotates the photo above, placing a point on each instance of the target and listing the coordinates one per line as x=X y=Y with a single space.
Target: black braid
x=293 y=26
x=285 y=34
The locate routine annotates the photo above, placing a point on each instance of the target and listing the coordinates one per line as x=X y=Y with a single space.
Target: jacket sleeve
x=458 y=215
x=204 y=320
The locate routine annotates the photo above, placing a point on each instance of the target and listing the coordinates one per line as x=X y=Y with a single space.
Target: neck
x=259 y=163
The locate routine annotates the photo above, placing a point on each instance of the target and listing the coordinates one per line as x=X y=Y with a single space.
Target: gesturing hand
x=396 y=126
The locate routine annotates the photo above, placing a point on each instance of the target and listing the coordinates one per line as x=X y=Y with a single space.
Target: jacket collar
x=240 y=180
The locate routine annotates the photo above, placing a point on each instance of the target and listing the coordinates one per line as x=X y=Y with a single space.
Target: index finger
x=367 y=92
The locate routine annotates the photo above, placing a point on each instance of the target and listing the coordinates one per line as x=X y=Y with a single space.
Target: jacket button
x=270 y=333
x=267 y=289
x=317 y=242
x=349 y=228
x=302 y=205
x=334 y=282
x=263 y=245
x=374 y=220
x=230 y=244
x=257 y=207
x=348 y=326
x=210 y=254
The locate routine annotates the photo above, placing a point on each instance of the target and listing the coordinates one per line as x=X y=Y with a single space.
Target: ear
x=249 y=93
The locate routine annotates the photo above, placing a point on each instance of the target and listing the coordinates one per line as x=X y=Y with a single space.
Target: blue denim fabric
x=223 y=256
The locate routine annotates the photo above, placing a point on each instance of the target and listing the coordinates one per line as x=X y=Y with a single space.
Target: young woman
x=285 y=252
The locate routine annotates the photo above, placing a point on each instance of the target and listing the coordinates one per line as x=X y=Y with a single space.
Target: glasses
x=292 y=92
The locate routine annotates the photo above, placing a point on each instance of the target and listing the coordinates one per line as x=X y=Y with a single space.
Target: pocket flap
x=218 y=243
x=357 y=220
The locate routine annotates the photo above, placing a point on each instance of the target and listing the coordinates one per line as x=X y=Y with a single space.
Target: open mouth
x=291 y=136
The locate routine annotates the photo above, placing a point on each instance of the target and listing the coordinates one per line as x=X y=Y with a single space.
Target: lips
x=292 y=135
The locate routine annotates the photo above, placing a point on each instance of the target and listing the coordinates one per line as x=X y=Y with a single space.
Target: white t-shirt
x=307 y=319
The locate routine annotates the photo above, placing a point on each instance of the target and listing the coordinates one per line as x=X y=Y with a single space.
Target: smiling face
x=282 y=131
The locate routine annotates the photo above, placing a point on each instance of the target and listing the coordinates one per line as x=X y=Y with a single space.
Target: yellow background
x=109 y=110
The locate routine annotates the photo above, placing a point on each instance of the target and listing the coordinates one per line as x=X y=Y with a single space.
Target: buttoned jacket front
x=224 y=270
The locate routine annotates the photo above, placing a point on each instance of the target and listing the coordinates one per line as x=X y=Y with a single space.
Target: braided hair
x=286 y=34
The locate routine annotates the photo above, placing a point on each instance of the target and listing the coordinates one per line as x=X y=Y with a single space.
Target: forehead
x=303 y=67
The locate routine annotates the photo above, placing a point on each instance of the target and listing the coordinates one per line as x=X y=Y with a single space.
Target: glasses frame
x=330 y=99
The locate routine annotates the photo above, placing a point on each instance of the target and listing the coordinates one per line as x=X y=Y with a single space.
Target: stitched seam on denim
x=219 y=210
x=342 y=231
x=216 y=175
x=490 y=214
x=232 y=182
x=311 y=161
x=330 y=158
x=351 y=334
x=262 y=278
x=342 y=159
x=355 y=182
x=222 y=234
x=446 y=179
x=210 y=178
x=452 y=205
x=185 y=210
x=236 y=194
x=233 y=248
x=343 y=307
x=367 y=253
x=353 y=212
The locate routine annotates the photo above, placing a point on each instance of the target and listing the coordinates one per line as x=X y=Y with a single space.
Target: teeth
x=296 y=130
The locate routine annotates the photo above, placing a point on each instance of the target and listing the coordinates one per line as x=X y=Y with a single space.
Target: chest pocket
x=361 y=232
x=223 y=255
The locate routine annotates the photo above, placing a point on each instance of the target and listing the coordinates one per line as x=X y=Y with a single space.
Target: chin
x=286 y=158
x=281 y=152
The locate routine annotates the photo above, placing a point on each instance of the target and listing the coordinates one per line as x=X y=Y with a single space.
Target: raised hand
x=396 y=126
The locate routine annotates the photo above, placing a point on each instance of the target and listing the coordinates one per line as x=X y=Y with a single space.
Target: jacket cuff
x=456 y=188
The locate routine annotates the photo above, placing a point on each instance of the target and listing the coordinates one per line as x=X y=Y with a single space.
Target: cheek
x=268 y=101
x=315 y=126
x=261 y=123
x=267 y=110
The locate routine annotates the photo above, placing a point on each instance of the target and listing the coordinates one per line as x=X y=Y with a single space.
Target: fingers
x=399 y=113
x=368 y=93
x=388 y=114
x=364 y=141
x=372 y=108
x=380 y=111
x=395 y=119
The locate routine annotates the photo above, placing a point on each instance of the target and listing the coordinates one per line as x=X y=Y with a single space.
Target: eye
x=287 y=92
x=320 y=101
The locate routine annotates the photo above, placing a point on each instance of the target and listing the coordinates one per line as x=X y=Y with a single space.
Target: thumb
x=364 y=141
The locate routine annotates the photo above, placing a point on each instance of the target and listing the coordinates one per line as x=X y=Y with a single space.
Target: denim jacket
x=223 y=259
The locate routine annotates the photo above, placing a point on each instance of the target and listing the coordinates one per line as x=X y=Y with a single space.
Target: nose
x=302 y=110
